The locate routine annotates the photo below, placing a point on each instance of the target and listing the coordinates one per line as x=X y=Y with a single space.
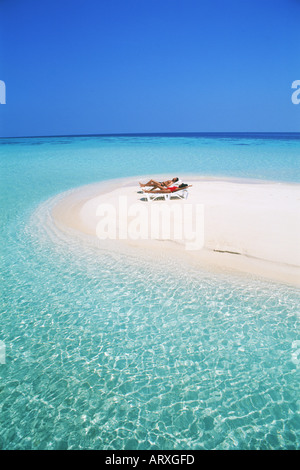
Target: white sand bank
x=249 y=226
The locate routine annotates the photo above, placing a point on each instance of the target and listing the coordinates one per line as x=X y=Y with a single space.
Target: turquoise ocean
x=107 y=351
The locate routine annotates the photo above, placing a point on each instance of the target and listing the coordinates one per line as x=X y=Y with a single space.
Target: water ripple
x=107 y=352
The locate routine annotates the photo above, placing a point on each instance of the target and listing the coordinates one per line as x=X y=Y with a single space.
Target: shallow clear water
x=104 y=351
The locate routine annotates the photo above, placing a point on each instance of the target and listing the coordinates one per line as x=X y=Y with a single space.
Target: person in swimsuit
x=169 y=189
x=161 y=184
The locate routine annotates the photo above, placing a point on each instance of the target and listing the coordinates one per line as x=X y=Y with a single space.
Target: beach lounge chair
x=180 y=194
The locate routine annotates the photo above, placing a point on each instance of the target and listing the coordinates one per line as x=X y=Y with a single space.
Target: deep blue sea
x=105 y=351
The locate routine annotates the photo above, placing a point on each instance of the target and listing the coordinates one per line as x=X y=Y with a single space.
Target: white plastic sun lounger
x=182 y=194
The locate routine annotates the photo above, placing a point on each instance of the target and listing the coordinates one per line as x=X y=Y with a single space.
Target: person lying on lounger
x=161 y=184
x=169 y=189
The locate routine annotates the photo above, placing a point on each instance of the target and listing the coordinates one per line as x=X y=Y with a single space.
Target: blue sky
x=130 y=66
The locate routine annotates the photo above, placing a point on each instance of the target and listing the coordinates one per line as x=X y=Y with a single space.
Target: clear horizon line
x=149 y=134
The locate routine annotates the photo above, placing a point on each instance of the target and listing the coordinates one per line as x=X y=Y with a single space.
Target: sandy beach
x=248 y=226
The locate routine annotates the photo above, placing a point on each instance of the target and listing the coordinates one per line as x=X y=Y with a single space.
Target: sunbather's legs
x=150 y=183
x=159 y=191
x=153 y=183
